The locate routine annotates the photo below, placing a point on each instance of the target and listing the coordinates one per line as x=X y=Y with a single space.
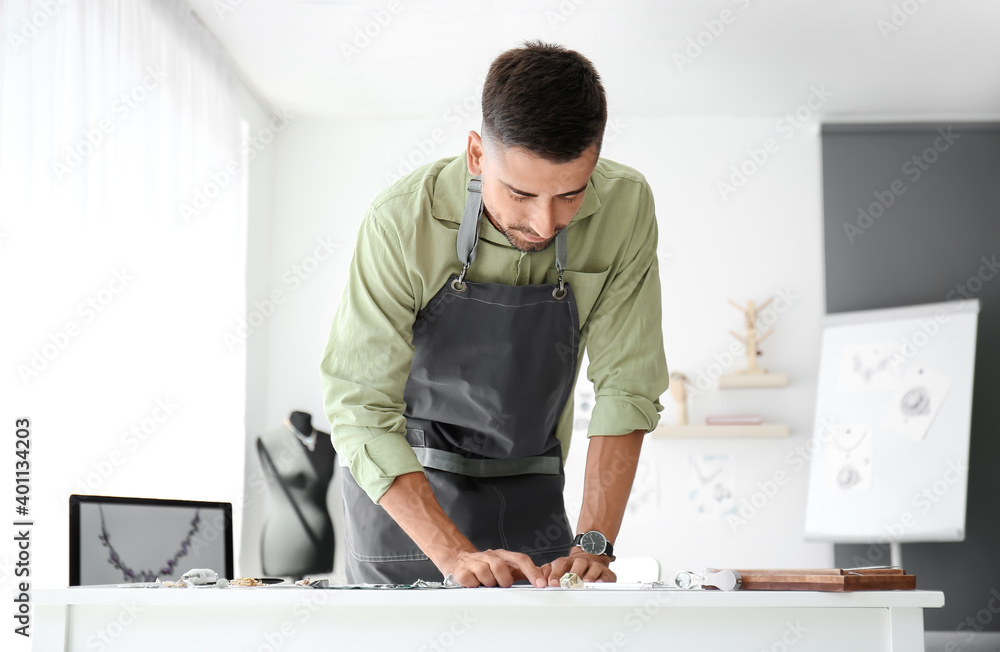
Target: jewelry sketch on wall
x=710 y=485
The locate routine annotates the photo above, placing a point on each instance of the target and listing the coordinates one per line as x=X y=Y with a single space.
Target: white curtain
x=122 y=256
x=113 y=113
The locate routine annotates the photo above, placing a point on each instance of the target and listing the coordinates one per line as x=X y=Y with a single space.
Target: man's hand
x=411 y=502
x=590 y=568
x=493 y=568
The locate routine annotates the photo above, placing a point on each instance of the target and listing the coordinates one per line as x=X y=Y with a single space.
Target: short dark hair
x=546 y=99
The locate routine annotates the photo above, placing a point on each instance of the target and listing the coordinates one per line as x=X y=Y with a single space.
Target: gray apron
x=492 y=370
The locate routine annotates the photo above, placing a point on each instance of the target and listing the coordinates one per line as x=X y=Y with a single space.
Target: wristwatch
x=595 y=543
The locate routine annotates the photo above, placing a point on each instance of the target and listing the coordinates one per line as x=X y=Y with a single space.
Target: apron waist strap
x=486 y=468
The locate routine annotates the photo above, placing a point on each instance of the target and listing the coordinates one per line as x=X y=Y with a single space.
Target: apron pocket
x=371 y=534
x=586 y=286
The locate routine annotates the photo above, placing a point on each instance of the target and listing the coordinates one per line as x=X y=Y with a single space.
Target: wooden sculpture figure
x=678 y=391
x=752 y=340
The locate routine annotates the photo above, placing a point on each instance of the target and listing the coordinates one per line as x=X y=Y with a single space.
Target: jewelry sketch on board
x=849 y=457
x=917 y=401
x=868 y=367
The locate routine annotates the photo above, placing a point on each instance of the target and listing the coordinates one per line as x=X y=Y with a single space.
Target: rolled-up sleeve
x=367 y=361
x=625 y=342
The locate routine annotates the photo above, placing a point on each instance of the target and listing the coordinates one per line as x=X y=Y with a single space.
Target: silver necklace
x=130 y=575
x=309 y=441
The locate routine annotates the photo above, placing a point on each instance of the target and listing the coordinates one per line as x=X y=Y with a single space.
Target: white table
x=431 y=620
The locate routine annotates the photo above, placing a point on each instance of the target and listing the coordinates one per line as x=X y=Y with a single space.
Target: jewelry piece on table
x=200 y=576
x=725 y=580
x=571 y=581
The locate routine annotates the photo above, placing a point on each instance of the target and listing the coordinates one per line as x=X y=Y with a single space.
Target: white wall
x=116 y=299
x=763 y=240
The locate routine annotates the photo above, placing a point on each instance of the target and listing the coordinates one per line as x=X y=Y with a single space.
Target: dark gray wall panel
x=938 y=240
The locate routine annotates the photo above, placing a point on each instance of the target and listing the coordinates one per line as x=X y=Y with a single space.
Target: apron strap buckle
x=559 y=292
x=458 y=285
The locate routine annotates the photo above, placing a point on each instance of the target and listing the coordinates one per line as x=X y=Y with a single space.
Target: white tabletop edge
x=497 y=597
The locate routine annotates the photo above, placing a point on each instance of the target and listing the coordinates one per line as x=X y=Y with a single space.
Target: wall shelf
x=764 y=431
x=744 y=381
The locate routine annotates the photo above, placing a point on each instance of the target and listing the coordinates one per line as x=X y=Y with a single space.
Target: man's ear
x=475 y=154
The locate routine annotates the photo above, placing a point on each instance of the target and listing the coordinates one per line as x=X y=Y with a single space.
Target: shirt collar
x=451 y=188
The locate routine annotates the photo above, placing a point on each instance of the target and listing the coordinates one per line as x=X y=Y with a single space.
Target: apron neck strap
x=468 y=231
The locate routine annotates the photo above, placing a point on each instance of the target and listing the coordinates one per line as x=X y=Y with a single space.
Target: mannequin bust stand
x=298 y=462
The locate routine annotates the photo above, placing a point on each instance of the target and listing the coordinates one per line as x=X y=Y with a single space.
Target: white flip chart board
x=890 y=447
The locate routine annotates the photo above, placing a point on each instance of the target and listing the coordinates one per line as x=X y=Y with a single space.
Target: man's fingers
x=580 y=567
x=559 y=568
x=594 y=573
x=524 y=564
x=501 y=572
x=484 y=572
x=546 y=570
x=466 y=578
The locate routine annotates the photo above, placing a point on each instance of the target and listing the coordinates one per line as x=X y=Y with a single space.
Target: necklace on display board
x=131 y=575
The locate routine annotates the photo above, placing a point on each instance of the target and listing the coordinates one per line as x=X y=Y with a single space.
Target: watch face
x=593 y=542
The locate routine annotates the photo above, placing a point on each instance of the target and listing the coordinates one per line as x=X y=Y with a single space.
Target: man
x=452 y=358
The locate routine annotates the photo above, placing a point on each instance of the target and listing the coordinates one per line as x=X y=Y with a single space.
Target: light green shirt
x=405 y=253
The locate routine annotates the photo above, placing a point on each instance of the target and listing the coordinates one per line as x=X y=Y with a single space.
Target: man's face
x=527 y=198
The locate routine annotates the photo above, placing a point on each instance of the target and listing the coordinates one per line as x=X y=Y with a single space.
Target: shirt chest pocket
x=587 y=287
